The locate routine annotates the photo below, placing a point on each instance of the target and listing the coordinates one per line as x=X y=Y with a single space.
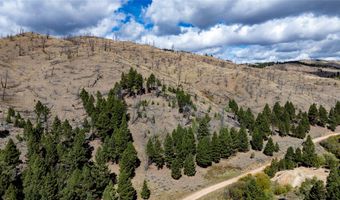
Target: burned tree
x=4 y=85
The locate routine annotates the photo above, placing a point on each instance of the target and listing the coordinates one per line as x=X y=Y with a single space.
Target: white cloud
x=131 y=30
x=303 y=27
x=59 y=16
x=206 y=13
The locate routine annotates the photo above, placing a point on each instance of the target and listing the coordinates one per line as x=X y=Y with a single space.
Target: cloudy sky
x=237 y=30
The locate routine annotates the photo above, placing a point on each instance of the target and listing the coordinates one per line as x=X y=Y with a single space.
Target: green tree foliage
x=289 y=159
x=125 y=189
x=226 y=143
x=313 y=114
x=110 y=192
x=169 y=154
x=270 y=148
x=10 y=155
x=145 y=193
x=183 y=101
x=155 y=152
x=203 y=157
x=262 y=124
x=298 y=156
x=151 y=82
x=189 y=165
x=257 y=140
x=309 y=156
x=129 y=160
x=323 y=116
x=332 y=119
x=244 y=141
x=215 y=148
x=176 y=169
x=333 y=184
x=273 y=168
x=203 y=128
x=317 y=192
x=233 y=106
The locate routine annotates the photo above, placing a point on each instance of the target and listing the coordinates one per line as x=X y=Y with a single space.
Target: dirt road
x=223 y=184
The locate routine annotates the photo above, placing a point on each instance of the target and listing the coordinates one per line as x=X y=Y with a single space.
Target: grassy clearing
x=218 y=173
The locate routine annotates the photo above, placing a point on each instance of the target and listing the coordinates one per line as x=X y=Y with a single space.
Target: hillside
x=55 y=70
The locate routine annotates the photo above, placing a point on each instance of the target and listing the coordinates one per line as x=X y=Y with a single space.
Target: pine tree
x=233 y=106
x=215 y=149
x=298 y=156
x=189 y=142
x=322 y=116
x=11 y=154
x=11 y=193
x=313 y=114
x=129 y=160
x=289 y=160
x=125 y=188
x=110 y=192
x=270 y=148
x=203 y=128
x=203 y=157
x=317 y=192
x=262 y=123
x=273 y=168
x=333 y=184
x=332 y=121
x=169 y=154
x=309 y=156
x=243 y=138
x=235 y=140
x=145 y=193
x=122 y=137
x=257 y=140
x=158 y=158
x=189 y=166
x=225 y=143
x=176 y=170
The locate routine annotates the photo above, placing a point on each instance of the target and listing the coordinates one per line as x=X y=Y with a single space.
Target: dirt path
x=223 y=184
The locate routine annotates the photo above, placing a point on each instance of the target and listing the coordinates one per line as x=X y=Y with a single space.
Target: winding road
x=212 y=188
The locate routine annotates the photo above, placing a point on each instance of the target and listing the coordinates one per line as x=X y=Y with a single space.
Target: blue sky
x=237 y=30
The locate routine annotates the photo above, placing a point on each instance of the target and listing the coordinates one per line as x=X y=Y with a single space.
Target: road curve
x=212 y=188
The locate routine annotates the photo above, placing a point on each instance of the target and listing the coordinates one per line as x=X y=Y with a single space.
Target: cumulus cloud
x=166 y=15
x=58 y=17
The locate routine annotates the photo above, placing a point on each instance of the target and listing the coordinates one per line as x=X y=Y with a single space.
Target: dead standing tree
x=4 y=85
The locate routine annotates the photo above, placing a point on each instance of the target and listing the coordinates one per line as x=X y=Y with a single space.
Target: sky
x=237 y=30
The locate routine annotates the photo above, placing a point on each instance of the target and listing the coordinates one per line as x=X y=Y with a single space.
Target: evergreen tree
x=233 y=106
x=215 y=149
x=189 y=142
x=203 y=128
x=273 y=168
x=125 y=189
x=313 y=114
x=189 y=166
x=225 y=143
x=323 y=116
x=332 y=121
x=309 y=156
x=122 y=137
x=289 y=160
x=270 y=148
x=243 y=138
x=145 y=193
x=176 y=170
x=257 y=140
x=10 y=155
x=298 y=156
x=129 y=160
x=235 y=140
x=169 y=154
x=158 y=158
x=262 y=124
x=110 y=192
x=333 y=184
x=203 y=157
x=11 y=193
x=317 y=192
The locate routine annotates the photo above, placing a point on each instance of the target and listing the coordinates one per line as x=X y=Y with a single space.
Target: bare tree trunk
x=4 y=86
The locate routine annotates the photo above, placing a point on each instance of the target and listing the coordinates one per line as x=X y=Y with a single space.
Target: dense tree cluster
x=179 y=149
x=306 y=157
